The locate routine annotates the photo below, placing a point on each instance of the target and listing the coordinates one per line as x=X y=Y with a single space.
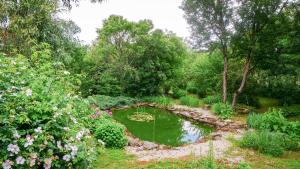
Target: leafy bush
x=192 y=89
x=112 y=134
x=212 y=99
x=162 y=100
x=43 y=122
x=267 y=142
x=177 y=93
x=224 y=111
x=189 y=101
x=107 y=102
x=273 y=120
x=243 y=165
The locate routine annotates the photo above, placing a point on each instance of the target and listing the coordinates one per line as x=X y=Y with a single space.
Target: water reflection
x=166 y=129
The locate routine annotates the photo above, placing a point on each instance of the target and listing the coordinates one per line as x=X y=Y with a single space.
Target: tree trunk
x=243 y=82
x=225 y=74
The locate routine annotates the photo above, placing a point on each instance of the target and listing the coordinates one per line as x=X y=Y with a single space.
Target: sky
x=165 y=14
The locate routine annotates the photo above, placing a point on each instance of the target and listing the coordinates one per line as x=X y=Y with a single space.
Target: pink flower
x=110 y=113
x=13 y=148
x=7 y=164
x=20 y=160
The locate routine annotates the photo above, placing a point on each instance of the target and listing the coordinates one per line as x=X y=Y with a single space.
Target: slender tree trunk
x=243 y=82
x=225 y=74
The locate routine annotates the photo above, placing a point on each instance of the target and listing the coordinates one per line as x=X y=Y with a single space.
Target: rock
x=134 y=142
x=149 y=145
x=235 y=160
x=207 y=107
x=216 y=136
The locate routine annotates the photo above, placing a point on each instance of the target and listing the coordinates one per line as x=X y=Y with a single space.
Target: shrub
x=189 y=101
x=107 y=102
x=177 y=93
x=162 y=100
x=273 y=120
x=192 y=89
x=254 y=120
x=212 y=99
x=224 y=111
x=267 y=142
x=43 y=122
x=243 y=165
x=112 y=134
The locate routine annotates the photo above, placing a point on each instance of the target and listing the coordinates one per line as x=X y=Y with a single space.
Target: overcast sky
x=165 y=15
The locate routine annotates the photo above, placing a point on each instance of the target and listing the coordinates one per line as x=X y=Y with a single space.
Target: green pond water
x=166 y=128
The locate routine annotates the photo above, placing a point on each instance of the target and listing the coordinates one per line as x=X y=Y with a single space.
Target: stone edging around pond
x=198 y=115
x=195 y=114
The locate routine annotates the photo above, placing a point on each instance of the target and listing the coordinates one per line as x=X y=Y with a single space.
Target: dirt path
x=220 y=146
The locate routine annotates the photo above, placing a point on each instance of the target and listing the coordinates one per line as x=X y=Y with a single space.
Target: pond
x=160 y=126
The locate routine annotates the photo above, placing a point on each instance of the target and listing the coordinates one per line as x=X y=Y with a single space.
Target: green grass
x=162 y=100
x=115 y=158
x=256 y=160
x=190 y=101
x=118 y=159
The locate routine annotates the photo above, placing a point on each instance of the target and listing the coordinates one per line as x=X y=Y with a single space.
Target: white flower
x=79 y=135
x=33 y=157
x=66 y=72
x=67 y=157
x=13 y=148
x=32 y=162
x=20 y=160
x=66 y=128
x=38 y=130
x=29 y=141
x=74 y=151
x=28 y=92
x=7 y=164
x=16 y=135
x=47 y=163
x=57 y=114
x=55 y=108
x=59 y=144
x=101 y=142
x=73 y=119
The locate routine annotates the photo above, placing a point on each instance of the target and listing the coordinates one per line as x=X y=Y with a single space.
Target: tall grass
x=190 y=101
x=162 y=100
x=269 y=143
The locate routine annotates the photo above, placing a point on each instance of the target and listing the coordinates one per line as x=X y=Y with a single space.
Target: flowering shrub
x=43 y=123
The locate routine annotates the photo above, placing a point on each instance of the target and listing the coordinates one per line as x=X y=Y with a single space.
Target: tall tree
x=211 y=23
x=25 y=23
x=257 y=34
x=141 y=60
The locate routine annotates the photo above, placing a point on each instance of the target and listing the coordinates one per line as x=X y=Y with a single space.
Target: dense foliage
x=273 y=120
x=107 y=102
x=133 y=59
x=43 y=121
